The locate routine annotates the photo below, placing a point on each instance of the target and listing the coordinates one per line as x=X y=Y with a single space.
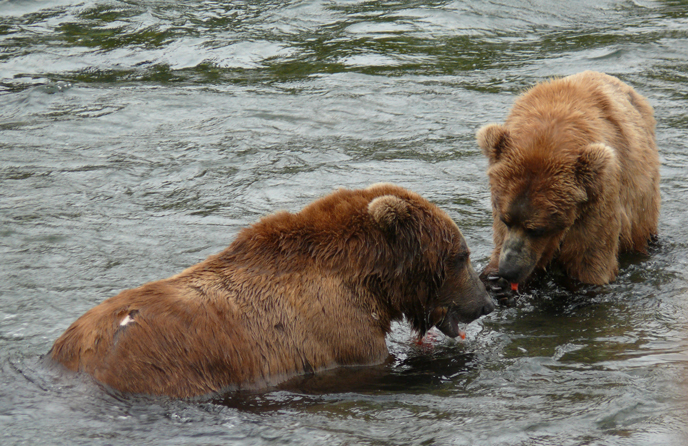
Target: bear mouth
x=449 y=325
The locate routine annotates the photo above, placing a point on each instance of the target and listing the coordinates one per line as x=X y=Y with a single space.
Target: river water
x=137 y=137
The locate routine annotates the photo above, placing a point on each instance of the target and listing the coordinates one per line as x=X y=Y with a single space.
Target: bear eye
x=461 y=258
x=536 y=232
x=505 y=221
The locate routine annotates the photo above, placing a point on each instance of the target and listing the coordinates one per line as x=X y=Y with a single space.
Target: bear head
x=542 y=183
x=428 y=273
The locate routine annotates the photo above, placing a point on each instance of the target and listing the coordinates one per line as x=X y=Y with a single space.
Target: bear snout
x=480 y=303
x=488 y=308
x=462 y=299
x=483 y=307
x=511 y=270
x=517 y=260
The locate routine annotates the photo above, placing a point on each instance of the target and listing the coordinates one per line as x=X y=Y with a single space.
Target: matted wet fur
x=293 y=294
x=574 y=177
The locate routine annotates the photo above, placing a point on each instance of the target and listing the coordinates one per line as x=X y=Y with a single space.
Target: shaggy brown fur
x=293 y=294
x=574 y=175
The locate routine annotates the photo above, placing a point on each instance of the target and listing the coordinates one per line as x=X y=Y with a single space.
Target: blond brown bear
x=574 y=177
x=293 y=294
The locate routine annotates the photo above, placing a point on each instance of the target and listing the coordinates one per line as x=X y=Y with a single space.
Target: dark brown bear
x=574 y=176
x=293 y=294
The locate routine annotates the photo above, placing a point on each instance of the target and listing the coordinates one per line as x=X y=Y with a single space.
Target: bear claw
x=501 y=290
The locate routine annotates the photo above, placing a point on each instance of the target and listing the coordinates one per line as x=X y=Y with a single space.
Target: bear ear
x=595 y=167
x=388 y=211
x=492 y=139
x=375 y=186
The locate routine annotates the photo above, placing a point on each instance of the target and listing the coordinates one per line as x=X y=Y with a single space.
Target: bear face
x=293 y=294
x=539 y=193
x=574 y=178
x=455 y=293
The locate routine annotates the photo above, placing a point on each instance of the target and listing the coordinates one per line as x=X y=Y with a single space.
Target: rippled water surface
x=138 y=137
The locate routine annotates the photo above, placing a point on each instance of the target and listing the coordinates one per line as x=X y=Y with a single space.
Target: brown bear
x=574 y=178
x=293 y=294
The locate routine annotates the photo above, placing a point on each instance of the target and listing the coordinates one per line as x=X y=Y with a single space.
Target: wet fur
x=574 y=177
x=293 y=294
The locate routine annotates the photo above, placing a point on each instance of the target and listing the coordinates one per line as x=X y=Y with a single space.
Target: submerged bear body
x=574 y=178
x=293 y=294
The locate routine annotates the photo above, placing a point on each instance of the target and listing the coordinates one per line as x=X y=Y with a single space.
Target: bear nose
x=509 y=271
x=488 y=307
